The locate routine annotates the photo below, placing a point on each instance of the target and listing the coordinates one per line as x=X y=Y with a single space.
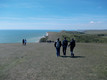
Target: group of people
x=24 y=41
x=64 y=44
x=58 y=45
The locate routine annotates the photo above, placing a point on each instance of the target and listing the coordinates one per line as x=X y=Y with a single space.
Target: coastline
x=29 y=40
x=16 y=36
x=38 y=40
x=45 y=35
x=34 y=36
x=44 y=38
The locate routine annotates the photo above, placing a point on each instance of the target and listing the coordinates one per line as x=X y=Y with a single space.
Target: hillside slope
x=39 y=62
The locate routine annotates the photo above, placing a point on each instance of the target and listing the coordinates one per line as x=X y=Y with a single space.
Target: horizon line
x=55 y=29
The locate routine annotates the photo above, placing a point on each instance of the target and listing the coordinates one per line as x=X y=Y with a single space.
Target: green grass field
x=95 y=31
x=98 y=36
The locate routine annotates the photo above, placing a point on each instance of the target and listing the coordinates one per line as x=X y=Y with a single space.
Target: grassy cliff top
x=38 y=61
x=80 y=36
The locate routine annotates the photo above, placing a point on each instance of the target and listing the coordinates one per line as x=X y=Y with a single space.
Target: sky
x=53 y=14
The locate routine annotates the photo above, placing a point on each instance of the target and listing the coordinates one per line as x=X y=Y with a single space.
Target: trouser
x=64 y=50
x=58 y=51
x=71 y=49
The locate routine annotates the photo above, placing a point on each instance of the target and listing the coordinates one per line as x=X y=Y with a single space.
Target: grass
x=96 y=31
x=81 y=37
x=38 y=61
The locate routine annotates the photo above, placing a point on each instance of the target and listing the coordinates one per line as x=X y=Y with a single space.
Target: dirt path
x=38 y=61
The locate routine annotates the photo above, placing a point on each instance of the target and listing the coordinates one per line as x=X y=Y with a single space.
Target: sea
x=16 y=36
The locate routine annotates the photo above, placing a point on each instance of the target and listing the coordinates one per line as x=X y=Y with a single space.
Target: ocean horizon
x=16 y=36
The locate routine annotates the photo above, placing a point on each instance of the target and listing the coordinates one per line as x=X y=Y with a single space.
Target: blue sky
x=53 y=14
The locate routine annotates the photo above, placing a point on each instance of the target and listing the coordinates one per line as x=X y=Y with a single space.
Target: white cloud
x=97 y=22
x=91 y=22
x=53 y=22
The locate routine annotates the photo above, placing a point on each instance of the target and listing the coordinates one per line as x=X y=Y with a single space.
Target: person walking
x=23 y=41
x=72 y=45
x=64 y=44
x=57 y=45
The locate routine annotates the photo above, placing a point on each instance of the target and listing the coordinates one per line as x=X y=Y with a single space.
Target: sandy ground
x=38 y=61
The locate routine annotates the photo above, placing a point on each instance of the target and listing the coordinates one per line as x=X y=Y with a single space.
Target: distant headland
x=82 y=36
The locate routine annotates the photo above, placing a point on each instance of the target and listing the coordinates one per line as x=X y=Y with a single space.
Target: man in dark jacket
x=57 y=44
x=72 y=45
x=64 y=44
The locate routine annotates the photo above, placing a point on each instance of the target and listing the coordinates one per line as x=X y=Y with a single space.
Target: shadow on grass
x=72 y=57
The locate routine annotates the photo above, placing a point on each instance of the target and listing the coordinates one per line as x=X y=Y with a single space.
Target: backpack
x=58 y=44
